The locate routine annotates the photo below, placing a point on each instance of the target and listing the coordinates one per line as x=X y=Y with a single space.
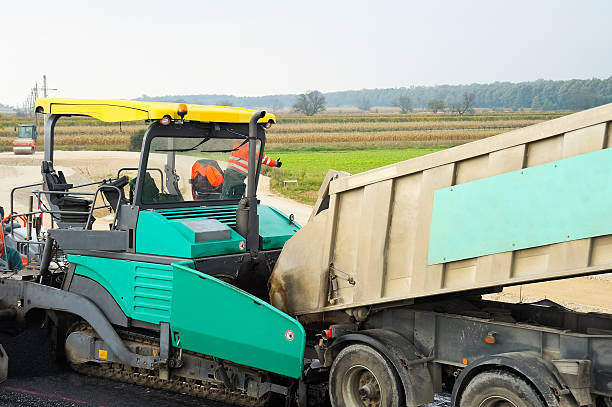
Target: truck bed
x=525 y=206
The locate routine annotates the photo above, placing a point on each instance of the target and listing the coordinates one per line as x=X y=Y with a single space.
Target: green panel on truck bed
x=142 y=290
x=217 y=319
x=550 y=203
x=275 y=228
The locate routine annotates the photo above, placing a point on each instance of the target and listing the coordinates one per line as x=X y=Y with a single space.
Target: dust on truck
x=392 y=265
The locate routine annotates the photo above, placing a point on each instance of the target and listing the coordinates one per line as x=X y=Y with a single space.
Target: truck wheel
x=360 y=376
x=499 y=389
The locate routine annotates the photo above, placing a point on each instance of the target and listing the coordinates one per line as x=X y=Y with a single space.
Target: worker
x=206 y=179
x=238 y=169
x=10 y=256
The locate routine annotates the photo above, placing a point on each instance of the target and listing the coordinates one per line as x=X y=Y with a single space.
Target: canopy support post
x=50 y=120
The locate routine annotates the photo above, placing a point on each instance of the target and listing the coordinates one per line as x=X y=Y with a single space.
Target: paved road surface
x=35 y=380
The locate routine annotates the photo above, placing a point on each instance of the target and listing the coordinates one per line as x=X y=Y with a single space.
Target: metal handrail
x=89 y=213
x=51 y=212
x=40 y=204
x=102 y=181
x=13 y=194
x=62 y=192
x=100 y=188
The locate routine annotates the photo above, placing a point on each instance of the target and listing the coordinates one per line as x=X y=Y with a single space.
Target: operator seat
x=56 y=181
x=116 y=198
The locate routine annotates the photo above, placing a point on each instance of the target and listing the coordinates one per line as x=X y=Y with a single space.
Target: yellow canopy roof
x=131 y=110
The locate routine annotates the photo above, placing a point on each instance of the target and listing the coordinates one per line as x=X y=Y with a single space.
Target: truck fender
x=409 y=364
x=538 y=372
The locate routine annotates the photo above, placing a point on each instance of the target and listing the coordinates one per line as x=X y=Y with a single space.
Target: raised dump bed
x=524 y=206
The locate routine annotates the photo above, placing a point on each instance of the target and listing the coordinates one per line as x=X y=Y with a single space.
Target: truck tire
x=499 y=388
x=360 y=376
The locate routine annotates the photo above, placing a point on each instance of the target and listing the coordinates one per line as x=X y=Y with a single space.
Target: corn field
x=337 y=129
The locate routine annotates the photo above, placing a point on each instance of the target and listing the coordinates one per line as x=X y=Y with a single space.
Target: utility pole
x=44 y=92
x=35 y=97
x=44 y=88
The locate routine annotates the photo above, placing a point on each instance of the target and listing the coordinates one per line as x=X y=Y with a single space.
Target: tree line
x=575 y=94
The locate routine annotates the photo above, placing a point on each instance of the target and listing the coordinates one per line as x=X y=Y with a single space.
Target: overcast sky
x=123 y=49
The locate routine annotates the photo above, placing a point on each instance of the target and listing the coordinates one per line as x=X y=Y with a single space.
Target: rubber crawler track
x=178 y=384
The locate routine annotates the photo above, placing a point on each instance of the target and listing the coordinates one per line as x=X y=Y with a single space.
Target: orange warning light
x=182 y=110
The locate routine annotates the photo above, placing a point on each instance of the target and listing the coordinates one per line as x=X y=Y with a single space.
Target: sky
x=124 y=49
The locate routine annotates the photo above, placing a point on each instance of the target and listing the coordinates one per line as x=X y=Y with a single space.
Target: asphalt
x=36 y=380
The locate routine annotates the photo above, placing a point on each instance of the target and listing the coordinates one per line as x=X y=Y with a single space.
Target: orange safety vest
x=239 y=159
x=213 y=175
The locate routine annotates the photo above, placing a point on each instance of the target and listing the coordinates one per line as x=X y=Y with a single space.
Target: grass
x=309 y=165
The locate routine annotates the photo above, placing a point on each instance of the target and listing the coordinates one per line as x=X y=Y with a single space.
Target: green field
x=309 y=165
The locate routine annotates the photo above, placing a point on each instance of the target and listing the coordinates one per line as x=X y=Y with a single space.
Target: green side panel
x=217 y=319
x=275 y=228
x=555 y=202
x=163 y=233
x=142 y=290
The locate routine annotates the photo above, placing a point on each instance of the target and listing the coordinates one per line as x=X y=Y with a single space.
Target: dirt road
x=85 y=166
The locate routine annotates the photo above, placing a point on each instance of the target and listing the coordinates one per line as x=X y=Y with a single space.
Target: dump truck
x=376 y=301
x=25 y=143
x=393 y=263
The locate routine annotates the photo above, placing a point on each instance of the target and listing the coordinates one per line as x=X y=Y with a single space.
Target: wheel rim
x=496 y=401
x=361 y=388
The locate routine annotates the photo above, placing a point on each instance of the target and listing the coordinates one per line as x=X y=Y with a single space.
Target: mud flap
x=3 y=364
